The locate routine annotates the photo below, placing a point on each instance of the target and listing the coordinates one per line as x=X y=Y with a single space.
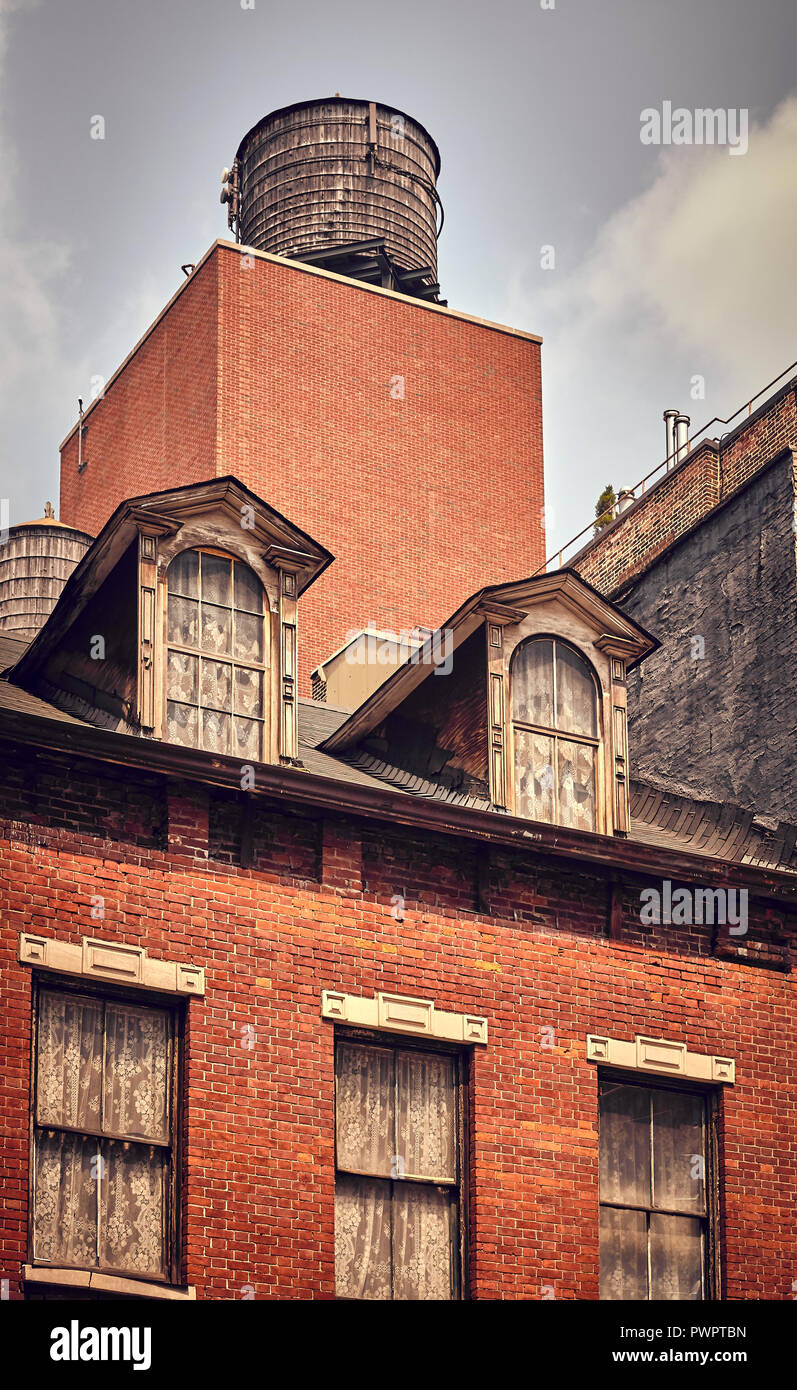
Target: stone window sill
x=105 y=1283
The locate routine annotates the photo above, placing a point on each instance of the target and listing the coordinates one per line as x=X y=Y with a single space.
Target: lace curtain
x=102 y=1068
x=215 y=609
x=554 y=775
x=396 y=1120
x=652 y=1155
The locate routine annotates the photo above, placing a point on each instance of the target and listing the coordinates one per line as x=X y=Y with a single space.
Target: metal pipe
x=682 y=423
x=670 y=417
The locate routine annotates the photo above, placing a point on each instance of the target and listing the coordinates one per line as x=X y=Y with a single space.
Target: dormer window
x=555 y=726
x=217 y=655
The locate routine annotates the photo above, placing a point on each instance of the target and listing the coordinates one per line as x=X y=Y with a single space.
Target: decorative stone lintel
x=660 y=1055
x=97 y=959
x=403 y=1013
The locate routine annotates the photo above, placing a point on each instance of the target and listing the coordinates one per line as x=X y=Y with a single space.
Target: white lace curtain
x=652 y=1155
x=554 y=776
x=396 y=1121
x=102 y=1068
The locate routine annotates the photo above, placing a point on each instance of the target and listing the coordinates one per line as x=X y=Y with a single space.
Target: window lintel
x=113 y=961
x=660 y=1056
x=403 y=1013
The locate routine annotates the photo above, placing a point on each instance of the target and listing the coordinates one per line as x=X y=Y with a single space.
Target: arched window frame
x=558 y=734
x=235 y=663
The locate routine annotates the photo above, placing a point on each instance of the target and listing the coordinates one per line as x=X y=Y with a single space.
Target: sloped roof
x=512 y=601
x=720 y=831
x=659 y=818
x=169 y=509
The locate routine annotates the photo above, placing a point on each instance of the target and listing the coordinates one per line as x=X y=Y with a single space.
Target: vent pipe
x=681 y=436
x=670 y=417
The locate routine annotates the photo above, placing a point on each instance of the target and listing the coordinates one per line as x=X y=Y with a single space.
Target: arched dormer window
x=555 y=727
x=217 y=655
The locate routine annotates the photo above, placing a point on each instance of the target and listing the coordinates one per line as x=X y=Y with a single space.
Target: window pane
x=181 y=677
x=625 y=1145
x=624 y=1254
x=182 y=624
x=69 y=1061
x=217 y=684
x=248 y=637
x=184 y=574
x=362 y=1238
x=422 y=1253
x=246 y=739
x=676 y=1257
x=248 y=692
x=215 y=731
x=132 y=1208
x=136 y=1072
x=532 y=683
x=575 y=694
x=216 y=580
x=181 y=724
x=534 y=775
x=678 y=1151
x=576 y=763
x=65 y=1202
x=365 y=1109
x=426 y=1145
x=216 y=629
x=248 y=589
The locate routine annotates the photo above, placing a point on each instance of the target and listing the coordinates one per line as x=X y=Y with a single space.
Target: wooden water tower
x=347 y=185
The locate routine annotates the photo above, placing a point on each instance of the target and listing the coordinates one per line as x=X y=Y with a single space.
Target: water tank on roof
x=36 y=560
x=316 y=180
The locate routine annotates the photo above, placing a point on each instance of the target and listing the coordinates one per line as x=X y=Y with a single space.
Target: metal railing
x=652 y=479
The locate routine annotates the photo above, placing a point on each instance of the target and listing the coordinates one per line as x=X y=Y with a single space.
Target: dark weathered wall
x=723 y=724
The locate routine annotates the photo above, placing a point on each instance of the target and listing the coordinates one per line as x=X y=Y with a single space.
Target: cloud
x=702 y=259
x=694 y=276
x=37 y=373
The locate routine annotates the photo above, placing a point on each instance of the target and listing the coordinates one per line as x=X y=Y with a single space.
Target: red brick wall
x=297 y=403
x=156 y=425
x=710 y=475
x=259 y=1177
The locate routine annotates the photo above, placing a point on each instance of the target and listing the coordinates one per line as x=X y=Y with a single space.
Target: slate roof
x=13 y=697
x=658 y=817
x=661 y=817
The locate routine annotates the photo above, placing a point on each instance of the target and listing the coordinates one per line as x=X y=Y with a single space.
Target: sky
x=658 y=275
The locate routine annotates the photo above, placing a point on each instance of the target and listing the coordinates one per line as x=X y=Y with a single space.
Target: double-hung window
x=555 y=730
x=398 y=1179
x=655 y=1187
x=103 y=1135
x=217 y=655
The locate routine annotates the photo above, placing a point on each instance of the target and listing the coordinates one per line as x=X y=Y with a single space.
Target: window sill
x=105 y=1283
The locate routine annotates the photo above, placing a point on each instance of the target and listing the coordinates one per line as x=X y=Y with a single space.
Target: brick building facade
x=361 y=899
x=463 y=993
